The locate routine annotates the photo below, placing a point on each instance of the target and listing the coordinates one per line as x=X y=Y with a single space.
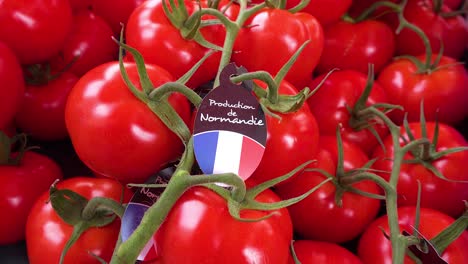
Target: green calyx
x=82 y=213
x=426 y=153
x=7 y=144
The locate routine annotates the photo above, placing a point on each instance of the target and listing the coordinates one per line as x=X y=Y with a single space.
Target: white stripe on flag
x=151 y=245
x=228 y=152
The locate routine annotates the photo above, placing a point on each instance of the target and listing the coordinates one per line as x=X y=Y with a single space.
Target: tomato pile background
x=98 y=20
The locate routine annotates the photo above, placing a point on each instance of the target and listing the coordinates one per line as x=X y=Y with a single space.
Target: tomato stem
x=100 y=203
x=452 y=232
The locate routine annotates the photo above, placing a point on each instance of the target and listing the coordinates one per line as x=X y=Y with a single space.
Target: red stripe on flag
x=251 y=155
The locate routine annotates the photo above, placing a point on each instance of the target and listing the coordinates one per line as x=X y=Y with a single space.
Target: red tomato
x=313 y=252
x=354 y=45
x=12 y=88
x=438 y=194
x=447 y=31
x=375 y=248
x=47 y=233
x=113 y=132
x=318 y=217
x=211 y=235
x=256 y=48
x=78 y=5
x=151 y=33
x=42 y=114
x=90 y=40
x=443 y=90
x=36 y=29
x=115 y=12
x=21 y=185
x=329 y=105
x=291 y=141
x=326 y=11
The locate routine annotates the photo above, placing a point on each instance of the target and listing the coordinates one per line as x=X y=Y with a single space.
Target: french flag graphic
x=221 y=151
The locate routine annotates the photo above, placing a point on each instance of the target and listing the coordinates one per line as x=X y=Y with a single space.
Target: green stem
x=437 y=6
x=102 y=202
x=449 y=234
x=264 y=76
x=172 y=87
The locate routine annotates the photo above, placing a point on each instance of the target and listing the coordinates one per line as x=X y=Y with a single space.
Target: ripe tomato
x=151 y=33
x=90 y=40
x=256 y=48
x=443 y=90
x=45 y=229
x=326 y=11
x=375 y=248
x=291 y=140
x=113 y=132
x=115 y=12
x=35 y=29
x=12 y=88
x=313 y=252
x=352 y=46
x=21 y=185
x=318 y=217
x=447 y=31
x=329 y=105
x=439 y=194
x=199 y=229
x=42 y=114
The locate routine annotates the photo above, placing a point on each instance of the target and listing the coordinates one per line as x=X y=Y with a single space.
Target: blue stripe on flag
x=204 y=145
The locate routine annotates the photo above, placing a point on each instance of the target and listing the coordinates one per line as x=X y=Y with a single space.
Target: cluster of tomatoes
x=61 y=82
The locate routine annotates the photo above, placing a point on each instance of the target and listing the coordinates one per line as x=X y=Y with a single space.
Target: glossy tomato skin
x=326 y=11
x=42 y=114
x=443 y=90
x=436 y=193
x=12 y=88
x=354 y=46
x=318 y=217
x=113 y=132
x=212 y=235
x=313 y=252
x=36 y=29
x=447 y=31
x=152 y=34
x=329 y=105
x=257 y=49
x=21 y=185
x=291 y=140
x=46 y=230
x=375 y=248
x=88 y=44
x=115 y=12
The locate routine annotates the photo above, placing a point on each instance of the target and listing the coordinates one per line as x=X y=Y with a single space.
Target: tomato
x=445 y=196
x=212 y=235
x=447 y=31
x=113 y=132
x=375 y=248
x=45 y=229
x=327 y=12
x=354 y=45
x=78 y=5
x=115 y=12
x=330 y=106
x=90 y=41
x=291 y=140
x=318 y=216
x=21 y=185
x=151 y=33
x=42 y=114
x=312 y=252
x=443 y=90
x=256 y=48
x=36 y=29
x=12 y=88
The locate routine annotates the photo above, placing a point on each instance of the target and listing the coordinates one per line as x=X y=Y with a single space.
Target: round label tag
x=143 y=199
x=230 y=128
